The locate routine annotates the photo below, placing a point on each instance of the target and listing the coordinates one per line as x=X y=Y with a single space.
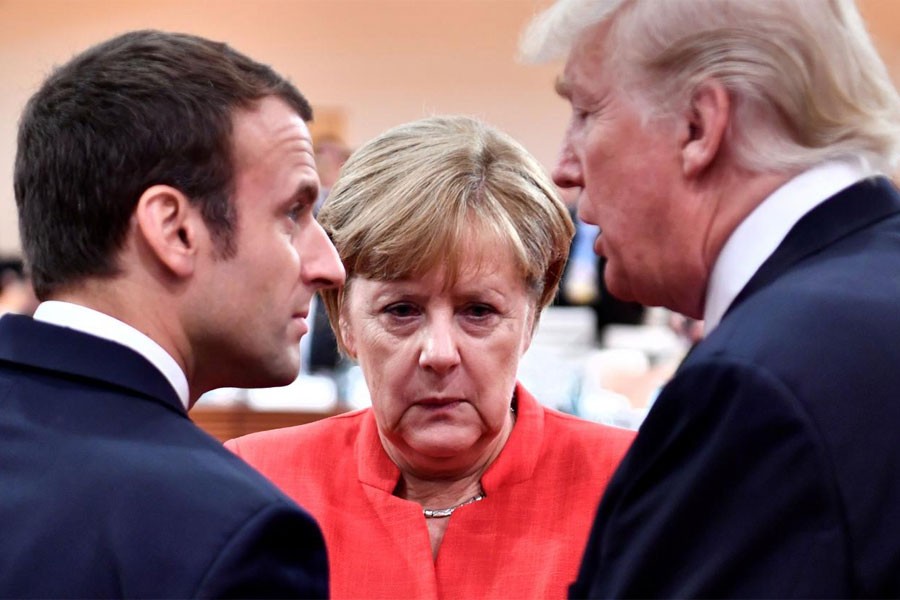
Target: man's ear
x=707 y=120
x=170 y=226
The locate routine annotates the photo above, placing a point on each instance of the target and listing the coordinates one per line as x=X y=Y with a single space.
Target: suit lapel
x=852 y=209
x=48 y=347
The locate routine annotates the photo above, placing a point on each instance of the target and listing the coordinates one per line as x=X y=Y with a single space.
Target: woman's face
x=440 y=362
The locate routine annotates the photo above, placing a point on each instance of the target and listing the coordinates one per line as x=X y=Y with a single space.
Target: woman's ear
x=170 y=226
x=347 y=336
x=530 y=331
x=706 y=121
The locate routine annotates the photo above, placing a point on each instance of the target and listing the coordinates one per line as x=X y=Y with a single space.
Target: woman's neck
x=445 y=492
x=439 y=493
x=441 y=496
x=434 y=487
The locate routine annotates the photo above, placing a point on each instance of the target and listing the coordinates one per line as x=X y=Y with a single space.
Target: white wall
x=384 y=61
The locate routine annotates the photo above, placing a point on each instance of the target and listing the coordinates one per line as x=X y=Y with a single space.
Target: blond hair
x=805 y=80
x=410 y=201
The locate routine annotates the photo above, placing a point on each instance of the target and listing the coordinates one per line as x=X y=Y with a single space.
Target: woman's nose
x=440 y=351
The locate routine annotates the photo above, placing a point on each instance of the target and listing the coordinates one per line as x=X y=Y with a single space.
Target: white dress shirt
x=87 y=320
x=760 y=234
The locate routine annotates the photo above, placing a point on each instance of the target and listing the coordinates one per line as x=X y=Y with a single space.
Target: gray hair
x=408 y=202
x=805 y=81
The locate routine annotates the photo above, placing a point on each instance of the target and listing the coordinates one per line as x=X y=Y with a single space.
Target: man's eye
x=296 y=211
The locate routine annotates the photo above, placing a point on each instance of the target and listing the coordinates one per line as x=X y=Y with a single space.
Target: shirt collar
x=87 y=320
x=760 y=234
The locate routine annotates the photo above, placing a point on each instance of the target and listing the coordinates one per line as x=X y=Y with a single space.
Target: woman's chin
x=444 y=442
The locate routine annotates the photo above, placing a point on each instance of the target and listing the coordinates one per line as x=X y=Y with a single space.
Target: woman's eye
x=401 y=310
x=480 y=311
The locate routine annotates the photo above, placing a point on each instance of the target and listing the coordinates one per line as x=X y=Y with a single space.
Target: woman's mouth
x=439 y=403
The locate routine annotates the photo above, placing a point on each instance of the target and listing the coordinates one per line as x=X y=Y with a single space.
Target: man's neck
x=734 y=200
x=90 y=320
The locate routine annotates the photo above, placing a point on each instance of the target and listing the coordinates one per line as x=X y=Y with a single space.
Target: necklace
x=441 y=513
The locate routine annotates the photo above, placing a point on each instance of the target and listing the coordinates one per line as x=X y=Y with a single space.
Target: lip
x=302 y=311
x=299 y=318
x=598 y=243
x=439 y=403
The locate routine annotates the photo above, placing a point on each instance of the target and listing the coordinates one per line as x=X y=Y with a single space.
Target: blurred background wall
x=366 y=65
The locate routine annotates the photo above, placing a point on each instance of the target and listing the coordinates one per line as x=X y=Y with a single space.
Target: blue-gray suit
x=770 y=464
x=107 y=489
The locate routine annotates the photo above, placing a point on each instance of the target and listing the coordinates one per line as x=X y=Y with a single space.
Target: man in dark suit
x=165 y=186
x=731 y=153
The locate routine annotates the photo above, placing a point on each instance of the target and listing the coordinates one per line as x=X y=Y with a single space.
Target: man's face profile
x=259 y=299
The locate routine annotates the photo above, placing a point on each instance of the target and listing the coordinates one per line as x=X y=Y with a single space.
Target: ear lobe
x=169 y=225
x=707 y=120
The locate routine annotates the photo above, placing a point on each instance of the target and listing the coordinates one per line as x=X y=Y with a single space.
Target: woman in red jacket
x=456 y=483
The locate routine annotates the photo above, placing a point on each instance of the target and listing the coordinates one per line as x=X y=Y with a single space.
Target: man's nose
x=567 y=172
x=321 y=265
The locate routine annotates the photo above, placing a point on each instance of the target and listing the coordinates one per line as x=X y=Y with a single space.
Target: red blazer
x=524 y=540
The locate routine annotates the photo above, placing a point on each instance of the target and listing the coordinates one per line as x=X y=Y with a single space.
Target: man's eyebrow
x=562 y=87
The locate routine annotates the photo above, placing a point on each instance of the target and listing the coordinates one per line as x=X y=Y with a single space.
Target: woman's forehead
x=474 y=277
x=474 y=252
x=478 y=248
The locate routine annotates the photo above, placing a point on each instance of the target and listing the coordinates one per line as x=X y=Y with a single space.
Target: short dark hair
x=144 y=108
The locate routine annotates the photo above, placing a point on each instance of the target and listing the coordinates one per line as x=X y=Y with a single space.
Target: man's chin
x=269 y=376
x=618 y=287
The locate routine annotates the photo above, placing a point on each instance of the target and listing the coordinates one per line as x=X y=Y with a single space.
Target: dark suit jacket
x=107 y=489
x=770 y=464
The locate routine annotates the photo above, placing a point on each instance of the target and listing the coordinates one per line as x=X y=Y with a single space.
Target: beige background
x=379 y=62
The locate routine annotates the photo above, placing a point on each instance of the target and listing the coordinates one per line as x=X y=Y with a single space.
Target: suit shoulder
x=827 y=303
x=202 y=462
x=185 y=497
x=275 y=552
